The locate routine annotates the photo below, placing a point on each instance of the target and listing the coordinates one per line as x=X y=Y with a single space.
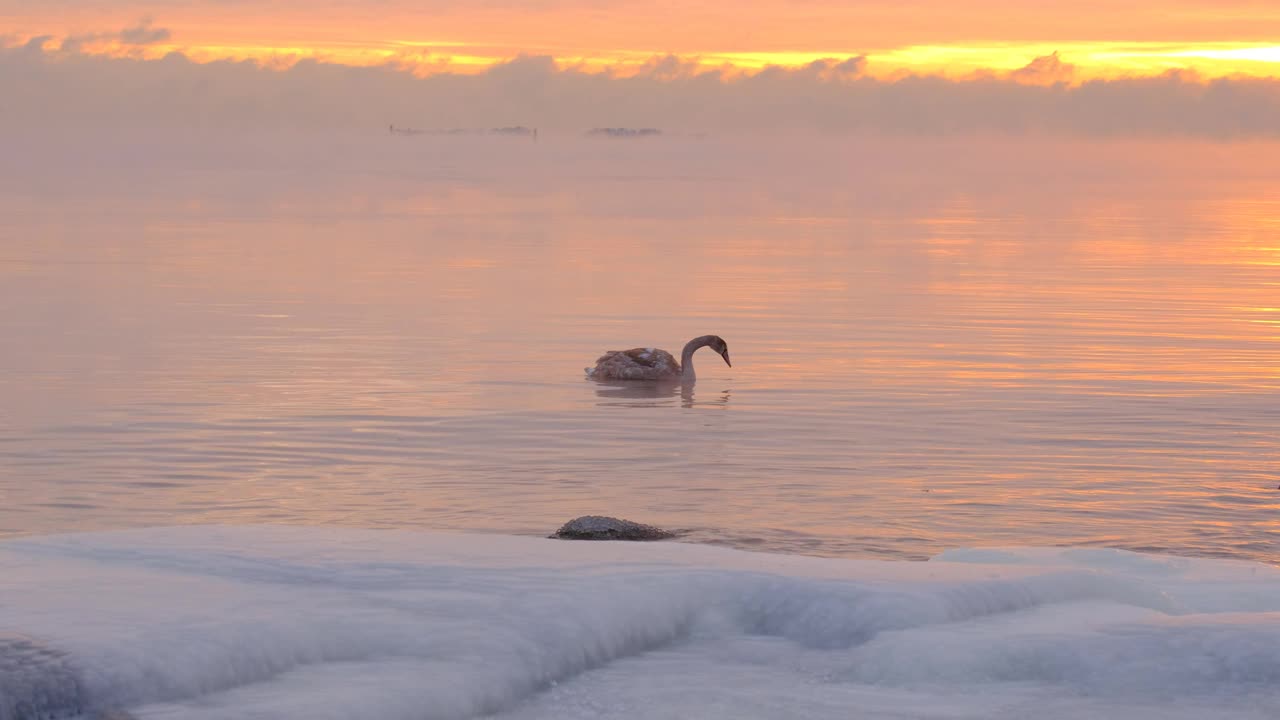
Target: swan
x=655 y=364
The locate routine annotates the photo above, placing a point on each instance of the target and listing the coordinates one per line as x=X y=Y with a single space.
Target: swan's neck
x=686 y=358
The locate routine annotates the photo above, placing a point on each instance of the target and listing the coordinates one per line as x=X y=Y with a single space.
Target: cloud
x=72 y=90
x=1045 y=70
x=846 y=69
x=670 y=67
x=144 y=33
x=35 y=45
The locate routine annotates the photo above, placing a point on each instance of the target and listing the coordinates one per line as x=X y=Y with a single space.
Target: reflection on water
x=936 y=343
x=618 y=393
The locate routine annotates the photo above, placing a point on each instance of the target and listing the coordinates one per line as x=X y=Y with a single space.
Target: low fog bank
x=67 y=90
x=201 y=173
x=203 y=168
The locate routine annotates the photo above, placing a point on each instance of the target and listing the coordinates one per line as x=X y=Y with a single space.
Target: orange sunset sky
x=1099 y=38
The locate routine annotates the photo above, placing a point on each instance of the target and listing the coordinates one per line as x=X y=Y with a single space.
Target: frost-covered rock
x=40 y=682
x=275 y=622
x=36 y=681
x=599 y=527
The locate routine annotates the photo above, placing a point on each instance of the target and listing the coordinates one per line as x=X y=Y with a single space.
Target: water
x=936 y=343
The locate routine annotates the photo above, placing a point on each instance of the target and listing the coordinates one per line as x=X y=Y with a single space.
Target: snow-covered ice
x=275 y=622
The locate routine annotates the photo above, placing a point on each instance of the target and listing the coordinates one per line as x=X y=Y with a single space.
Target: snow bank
x=218 y=622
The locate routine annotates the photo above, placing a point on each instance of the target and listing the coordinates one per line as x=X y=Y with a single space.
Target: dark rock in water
x=599 y=527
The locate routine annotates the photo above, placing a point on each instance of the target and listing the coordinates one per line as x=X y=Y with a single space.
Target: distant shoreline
x=527 y=132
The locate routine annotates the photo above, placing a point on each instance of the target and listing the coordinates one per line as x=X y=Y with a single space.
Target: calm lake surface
x=935 y=343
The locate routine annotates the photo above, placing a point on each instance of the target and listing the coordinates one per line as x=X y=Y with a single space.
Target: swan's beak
x=725 y=355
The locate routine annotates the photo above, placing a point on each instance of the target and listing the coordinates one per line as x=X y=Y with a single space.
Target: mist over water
x=936 y=343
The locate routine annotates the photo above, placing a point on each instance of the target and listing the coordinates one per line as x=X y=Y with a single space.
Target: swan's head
x=719 y=345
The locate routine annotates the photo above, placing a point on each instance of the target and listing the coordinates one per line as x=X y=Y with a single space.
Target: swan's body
x=635 y=364
x=655 y=364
